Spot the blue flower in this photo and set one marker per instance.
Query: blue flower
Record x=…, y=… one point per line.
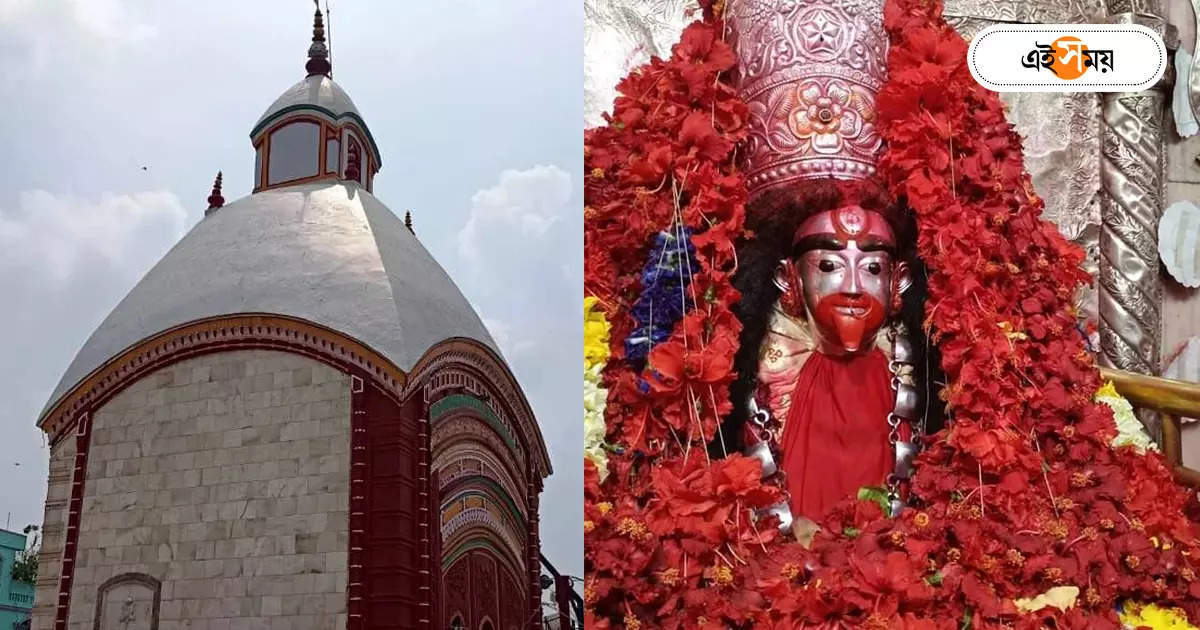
x=664, y=298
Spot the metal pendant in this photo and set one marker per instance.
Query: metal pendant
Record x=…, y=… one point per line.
x=896, y=506
x=905, y=451
x=758, y=415
x=783, y=511
x=762, y=452
x=902, y=351
x=906, y=401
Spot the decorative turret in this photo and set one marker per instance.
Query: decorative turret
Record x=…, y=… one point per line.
x=309, y=133
x=215, y=200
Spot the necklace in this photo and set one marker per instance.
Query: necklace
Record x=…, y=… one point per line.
x=905, y=408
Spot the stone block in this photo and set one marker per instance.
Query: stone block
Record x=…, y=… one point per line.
x=254, y=623
x=335, y=561
x=272, y=605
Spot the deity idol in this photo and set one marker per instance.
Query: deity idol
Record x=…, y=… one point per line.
x=828, y=368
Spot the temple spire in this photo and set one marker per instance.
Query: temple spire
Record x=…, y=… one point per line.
x=215, y=200
x=318, y=54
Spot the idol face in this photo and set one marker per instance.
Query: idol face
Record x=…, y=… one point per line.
x=850, y=281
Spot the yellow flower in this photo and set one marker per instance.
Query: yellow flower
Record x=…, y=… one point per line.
x=595, y=354
x=1060, y=597
x=1129, y=429
x=1138, y=615
x=1011, y=332
x=595, y=334
x=594, y=429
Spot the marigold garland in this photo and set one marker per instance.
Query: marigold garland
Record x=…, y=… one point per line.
x=1130, y=431
x=1154, y=617
x=595, y=396
x=1021, y=496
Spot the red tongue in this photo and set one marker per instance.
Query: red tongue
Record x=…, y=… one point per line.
x=850, y=330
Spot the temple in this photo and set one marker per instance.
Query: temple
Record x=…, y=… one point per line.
x=923, y=325
x=294, y=420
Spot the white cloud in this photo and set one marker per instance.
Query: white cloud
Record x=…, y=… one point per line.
x=36, y=32
x=109, y=20
x=520, y=262
x=106, y=20
x=523, y=206
x=511, y=343
x=65, y=261
x=51, y=235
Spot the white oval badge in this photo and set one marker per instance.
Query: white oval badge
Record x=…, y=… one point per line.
x=1067, y=58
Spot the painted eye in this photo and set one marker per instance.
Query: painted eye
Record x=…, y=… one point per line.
x=875, y=268
x=826, y=265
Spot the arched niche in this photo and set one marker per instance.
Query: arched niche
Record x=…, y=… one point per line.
x=129, y=601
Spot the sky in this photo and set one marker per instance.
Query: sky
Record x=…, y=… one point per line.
x=475, y=107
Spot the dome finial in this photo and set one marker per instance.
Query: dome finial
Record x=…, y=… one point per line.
x=215, y=200
x=318, y=54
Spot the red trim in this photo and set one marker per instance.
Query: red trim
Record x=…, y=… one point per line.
x=328, y=129
x=389, y=582
x=83, y=440
x=356, y=591
x=332, y=133
x=428, y=516
x=435, y=545
x=535, y=547
x=219, y=334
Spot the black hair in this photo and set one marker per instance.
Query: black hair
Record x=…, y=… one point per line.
x=773, y=219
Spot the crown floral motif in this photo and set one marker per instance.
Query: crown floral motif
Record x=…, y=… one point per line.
x=809, y=70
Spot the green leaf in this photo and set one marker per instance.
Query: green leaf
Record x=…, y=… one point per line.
x=935, y=579
x=25, y=566
x=968, y=615
x=850, y=532
x=877, y=494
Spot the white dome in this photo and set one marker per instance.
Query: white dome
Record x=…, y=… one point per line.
x=319, y=94
x=329, y=253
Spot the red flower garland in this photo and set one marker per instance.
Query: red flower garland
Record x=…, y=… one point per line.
x=1023, y=493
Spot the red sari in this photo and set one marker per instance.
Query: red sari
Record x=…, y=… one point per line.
x=835, y=439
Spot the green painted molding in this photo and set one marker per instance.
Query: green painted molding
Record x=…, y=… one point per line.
x=469, y=545
x=492, y=485
x=439, y=409
x=305, y=107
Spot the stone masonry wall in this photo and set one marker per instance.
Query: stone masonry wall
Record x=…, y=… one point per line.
x=226, y=477
x=54, y=529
